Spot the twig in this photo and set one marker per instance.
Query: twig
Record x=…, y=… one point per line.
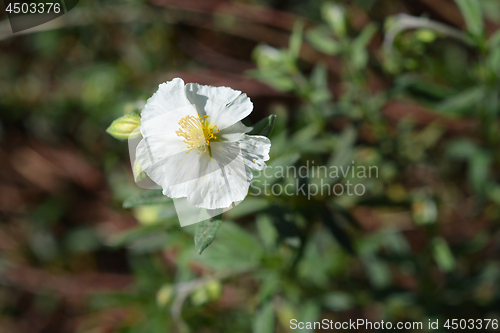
x=406, y=22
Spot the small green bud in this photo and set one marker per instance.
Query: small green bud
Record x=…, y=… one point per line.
x=334, y=15
x=125, y=127
x=426, y=35
x=214, y=289
x=164, y=295
x=199, y=296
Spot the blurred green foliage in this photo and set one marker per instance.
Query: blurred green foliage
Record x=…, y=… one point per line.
x=421, y=243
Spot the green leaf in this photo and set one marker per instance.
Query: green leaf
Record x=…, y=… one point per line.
x=277, y=80
x=267, y=231
x=335, y=16
x=302, y=137
x=205, y=233
x=378, y=271
x=264, y=319
x=359, y=53
x=264, y=127
x=442, y=254
x=479, y=170
x=321, y=39
x=473, y=15
x=338, y=301
x=332, y=224
x=125, y=127
x=319, y=82
x=494, y=60
x=236, y=249
x=132, y=235
x=296, y=39
x=151, y=197
x=461, y=149
x=309, y=312
x=494, y=40
x=343, y=154
x=463, y=103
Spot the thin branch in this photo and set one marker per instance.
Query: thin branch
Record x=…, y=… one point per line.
x=406, y=22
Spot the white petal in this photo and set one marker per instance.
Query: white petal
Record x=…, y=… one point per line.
x=223, y=105
x=160, y=136
x=234, y=132
x=163, y=155
x=183, y=171
x=176, y=169
x=169, y=97
x=255, y=151
x=227, y=185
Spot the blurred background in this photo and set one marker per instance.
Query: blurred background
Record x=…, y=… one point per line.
x=411, y=87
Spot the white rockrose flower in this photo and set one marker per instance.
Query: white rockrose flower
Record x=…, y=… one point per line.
x=194, y=144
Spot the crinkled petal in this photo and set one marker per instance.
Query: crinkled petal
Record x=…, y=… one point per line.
x=169, y=97
x=255, y=151
x=223, y=105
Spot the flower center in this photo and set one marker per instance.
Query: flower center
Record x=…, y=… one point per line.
x=197, y=133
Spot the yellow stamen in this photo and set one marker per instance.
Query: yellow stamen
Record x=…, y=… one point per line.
x=197, y=133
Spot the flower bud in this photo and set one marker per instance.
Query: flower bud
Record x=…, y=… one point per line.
x=125, y=127
x=164, y=295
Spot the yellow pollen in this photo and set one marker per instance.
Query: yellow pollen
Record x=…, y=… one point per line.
x=197, y=133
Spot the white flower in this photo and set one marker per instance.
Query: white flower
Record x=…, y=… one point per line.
x=194, y=144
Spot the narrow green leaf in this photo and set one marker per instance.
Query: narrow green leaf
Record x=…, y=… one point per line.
x=132, y=235
x=473, y=15
x=359, y=52
x=494, y=40
x=479, y=169
x=335, y=16
x=264, y=321
x=443, y=255
x=378, y=271
x=275, y=78
x=124, y=127
x=267, y=231
x=338, y=301
x=343, y=154
x=309, y=312
x=337, y=231
x=205, y=233
x=264, y=127
x=461, y=149
x=296, y=39
x=464, y=102
x=321, y=39
x=151, y=197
